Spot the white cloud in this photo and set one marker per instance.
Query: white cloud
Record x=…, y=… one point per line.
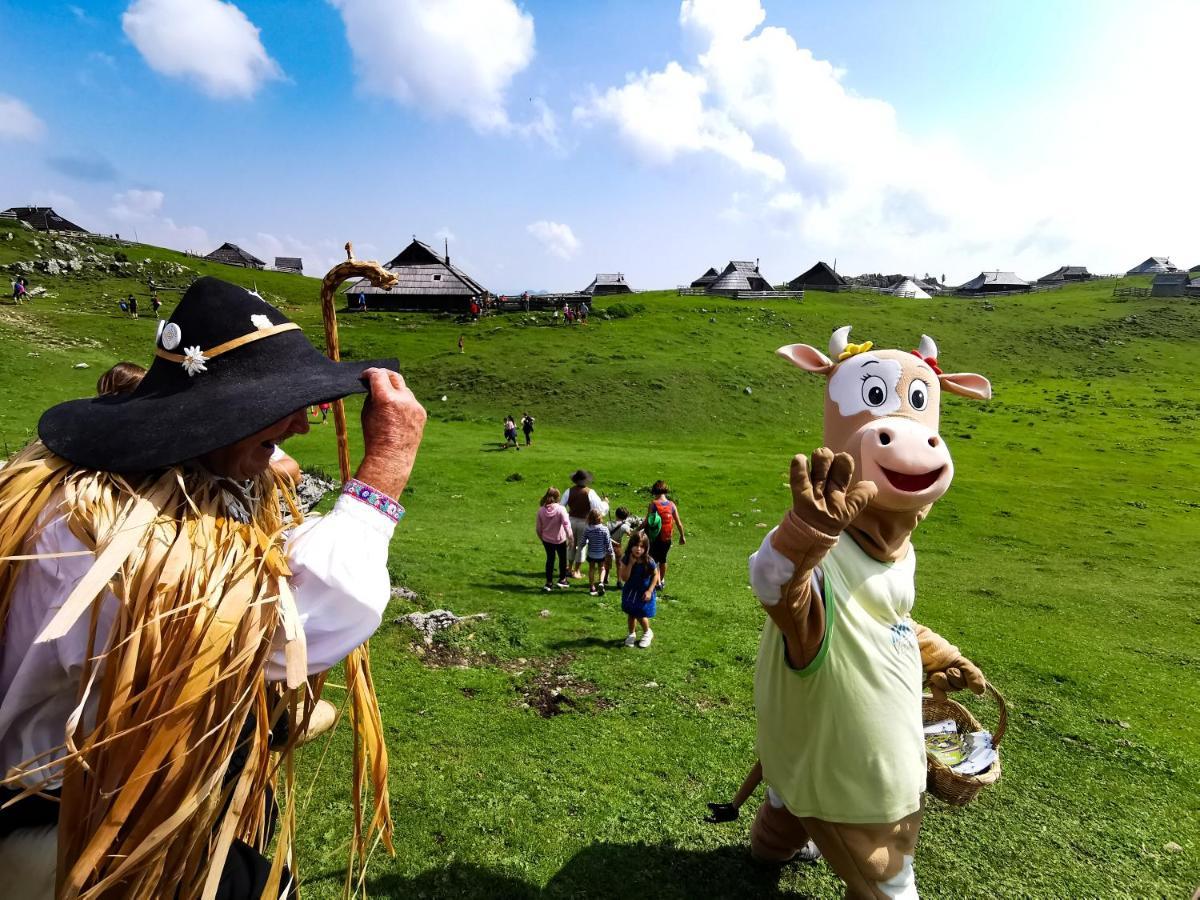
x=555, y=237
x=451, y=57
x=18, y=122
x=662, y=114
x=839, y=174
x=208, y=42
x=135, y=204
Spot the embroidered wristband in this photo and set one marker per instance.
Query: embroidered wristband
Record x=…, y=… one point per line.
x=374, y=499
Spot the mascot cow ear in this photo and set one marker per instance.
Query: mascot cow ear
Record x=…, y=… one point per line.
x=810, y=359
x=967, y=384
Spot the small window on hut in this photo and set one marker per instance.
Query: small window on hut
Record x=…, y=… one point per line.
x=437, y=277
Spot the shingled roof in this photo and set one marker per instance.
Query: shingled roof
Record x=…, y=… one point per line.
x=819, y=277
x=422, y=272
x=43, y=218
x=233, y=255
x=603, y=283
x=289, y=264
x=986, y=282
x=1066, y=273
x=740, y=275
x=706, y=279
x=1154, y=265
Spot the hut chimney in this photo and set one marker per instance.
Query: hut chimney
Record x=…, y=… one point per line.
x=446, y=244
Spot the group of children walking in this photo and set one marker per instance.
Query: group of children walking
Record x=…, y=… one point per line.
x=572, y=529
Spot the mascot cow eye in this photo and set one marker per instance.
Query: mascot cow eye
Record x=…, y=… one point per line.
x=874, y=390
x=918, y=394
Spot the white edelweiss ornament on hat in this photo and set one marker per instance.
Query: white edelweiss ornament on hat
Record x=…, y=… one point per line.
x=171, y=336
x=261, y=321
x=194, y=360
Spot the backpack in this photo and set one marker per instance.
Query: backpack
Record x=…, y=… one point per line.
x=666, y=522
x=654, y=524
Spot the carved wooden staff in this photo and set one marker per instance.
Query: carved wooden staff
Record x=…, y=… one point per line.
x=365, y=719
x=381, y=278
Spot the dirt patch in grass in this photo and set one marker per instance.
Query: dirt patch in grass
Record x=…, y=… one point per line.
x=550, y=689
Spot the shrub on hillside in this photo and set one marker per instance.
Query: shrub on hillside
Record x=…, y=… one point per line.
x=120, y=256
x=624, y=310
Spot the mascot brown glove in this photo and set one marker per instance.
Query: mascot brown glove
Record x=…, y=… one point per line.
x=946, y=669
x=822, y=507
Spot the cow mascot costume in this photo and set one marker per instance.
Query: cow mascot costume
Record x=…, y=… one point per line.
x=841, y=663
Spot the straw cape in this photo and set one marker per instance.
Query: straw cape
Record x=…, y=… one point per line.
x=145, y=799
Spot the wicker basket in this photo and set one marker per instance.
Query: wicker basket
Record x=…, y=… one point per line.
x=948, y=785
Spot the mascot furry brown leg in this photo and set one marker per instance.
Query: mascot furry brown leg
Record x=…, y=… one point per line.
x=841, y=662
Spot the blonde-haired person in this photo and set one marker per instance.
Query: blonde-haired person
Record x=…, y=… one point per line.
x=554, y=530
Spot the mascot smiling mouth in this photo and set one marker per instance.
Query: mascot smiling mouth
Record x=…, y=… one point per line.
x=913, y=484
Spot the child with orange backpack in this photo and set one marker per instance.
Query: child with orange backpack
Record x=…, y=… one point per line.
x=662, y=520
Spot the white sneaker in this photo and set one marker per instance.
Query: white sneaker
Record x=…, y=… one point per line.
x=630, y=639
x=646, y=639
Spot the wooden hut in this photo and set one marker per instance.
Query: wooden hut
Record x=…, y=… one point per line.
x=607, y=284
x=1066, y=274
x=706, y=280
x=427, y=280
x=740, y=275
x=292, y=264
x=1169, y=284
x=233, y=255
x=1154, y=265
x=995, y=283
x=820, y=277
x=42, y=218
x=909, y=288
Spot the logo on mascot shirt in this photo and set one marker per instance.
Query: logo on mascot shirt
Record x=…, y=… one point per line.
x=903, y=636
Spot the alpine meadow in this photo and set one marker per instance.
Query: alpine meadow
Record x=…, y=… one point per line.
x=532, y=755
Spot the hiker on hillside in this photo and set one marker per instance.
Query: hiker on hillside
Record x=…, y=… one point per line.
x=159, y=594
x=662, y=520
x=510, y=433
x=156, y=303
x=19, y=292
x=527, y=426
x=133, y=309
x=580, y=500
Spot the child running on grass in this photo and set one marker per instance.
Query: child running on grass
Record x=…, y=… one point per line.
x=640, y=574
x=599, y=548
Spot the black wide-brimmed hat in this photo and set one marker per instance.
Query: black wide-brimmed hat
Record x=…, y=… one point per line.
x=227, y=364
x=582, y=477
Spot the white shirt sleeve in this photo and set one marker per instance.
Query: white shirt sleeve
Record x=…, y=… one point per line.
x=598, y=502
x=770, y=570
x=340, y=580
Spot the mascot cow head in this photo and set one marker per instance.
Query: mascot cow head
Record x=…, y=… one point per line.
x=881, y=407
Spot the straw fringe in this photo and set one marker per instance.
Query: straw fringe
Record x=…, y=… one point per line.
x=200, y=598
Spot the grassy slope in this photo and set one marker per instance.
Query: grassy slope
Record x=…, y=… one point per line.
x=1061, y=561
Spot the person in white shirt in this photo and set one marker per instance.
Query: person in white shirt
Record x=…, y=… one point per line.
x=156, y=604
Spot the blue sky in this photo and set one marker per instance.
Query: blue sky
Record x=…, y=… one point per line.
x=548, y=141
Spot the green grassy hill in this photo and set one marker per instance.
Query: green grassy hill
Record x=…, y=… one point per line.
x=1062, y=561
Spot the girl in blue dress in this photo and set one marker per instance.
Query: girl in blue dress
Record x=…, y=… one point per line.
x=639, y=572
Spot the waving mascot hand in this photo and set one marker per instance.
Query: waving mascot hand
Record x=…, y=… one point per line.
x=841, y=663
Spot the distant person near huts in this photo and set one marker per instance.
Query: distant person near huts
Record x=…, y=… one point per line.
x=527, y=426
x=580, y=500
x=662, y=521
x=554, y=530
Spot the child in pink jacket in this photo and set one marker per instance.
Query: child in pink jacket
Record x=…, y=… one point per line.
x=554, y=530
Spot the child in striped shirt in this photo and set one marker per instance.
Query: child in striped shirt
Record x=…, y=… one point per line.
x=599, y=547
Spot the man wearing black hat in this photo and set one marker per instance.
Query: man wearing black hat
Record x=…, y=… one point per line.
x=148, y=587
